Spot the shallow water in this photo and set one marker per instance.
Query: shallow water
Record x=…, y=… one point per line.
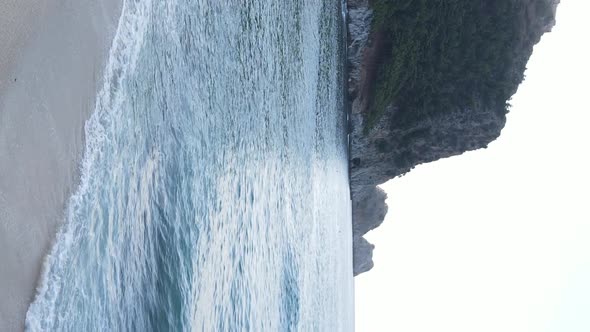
x=214, y=191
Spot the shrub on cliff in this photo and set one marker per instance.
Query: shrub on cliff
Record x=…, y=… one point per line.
x=443, y=55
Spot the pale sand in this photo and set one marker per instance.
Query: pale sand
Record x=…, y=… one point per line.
x=56, y=51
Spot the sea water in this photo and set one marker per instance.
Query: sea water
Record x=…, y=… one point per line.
x=214, y=188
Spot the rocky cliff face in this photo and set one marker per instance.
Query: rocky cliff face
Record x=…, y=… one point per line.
x=392, y=147
x=368, y=212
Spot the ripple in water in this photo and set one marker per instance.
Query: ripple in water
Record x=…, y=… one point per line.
x=214, y=189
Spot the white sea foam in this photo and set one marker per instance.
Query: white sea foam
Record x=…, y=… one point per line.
x=213, y=193
x=122, y=59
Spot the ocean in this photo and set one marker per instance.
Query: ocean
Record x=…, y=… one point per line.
x=214, y=191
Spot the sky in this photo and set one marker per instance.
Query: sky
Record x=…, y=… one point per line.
x=497, y=239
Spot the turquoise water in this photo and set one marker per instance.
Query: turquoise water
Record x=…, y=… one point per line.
x=214, y=192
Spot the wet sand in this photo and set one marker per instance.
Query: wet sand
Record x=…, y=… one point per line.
x=52, y=54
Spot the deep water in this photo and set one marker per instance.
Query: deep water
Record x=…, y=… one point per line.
x=214, y=193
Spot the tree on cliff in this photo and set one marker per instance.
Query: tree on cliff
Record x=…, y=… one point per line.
x=443, y=55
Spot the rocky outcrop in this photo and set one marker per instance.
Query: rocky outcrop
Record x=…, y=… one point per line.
x=394, y=145
x=368, y=211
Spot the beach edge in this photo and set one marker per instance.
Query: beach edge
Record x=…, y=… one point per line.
x=51, y=75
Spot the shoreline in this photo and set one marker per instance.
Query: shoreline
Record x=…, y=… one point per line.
x=51, y=72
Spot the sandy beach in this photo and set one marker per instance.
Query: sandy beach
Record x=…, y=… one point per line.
x=52, y=54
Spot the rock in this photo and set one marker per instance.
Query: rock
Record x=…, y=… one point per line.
x=368, y=211
x=394, y=145
x=362, y=256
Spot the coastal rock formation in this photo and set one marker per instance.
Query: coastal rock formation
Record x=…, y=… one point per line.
x=463, y=70
x=368, y=211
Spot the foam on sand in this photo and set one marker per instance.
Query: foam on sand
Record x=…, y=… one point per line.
x=51, y=60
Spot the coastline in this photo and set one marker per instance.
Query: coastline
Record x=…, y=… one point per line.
x=50, y=72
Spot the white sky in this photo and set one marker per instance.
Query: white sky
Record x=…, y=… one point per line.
x=497, y=240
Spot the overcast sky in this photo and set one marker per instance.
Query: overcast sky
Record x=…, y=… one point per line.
x=497, y=239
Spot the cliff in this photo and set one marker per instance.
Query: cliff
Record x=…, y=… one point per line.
x=429, y=80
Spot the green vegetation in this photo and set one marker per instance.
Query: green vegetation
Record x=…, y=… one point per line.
x=441, y=55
